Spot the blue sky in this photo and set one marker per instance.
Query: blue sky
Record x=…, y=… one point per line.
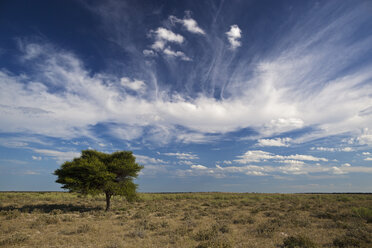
x=237, y=96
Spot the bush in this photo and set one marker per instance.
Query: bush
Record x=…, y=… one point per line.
x=13, y=214
x=243, y=220
x=298, y=241
x=207, y=234
x=364, y=213
x=14, y=239
x=346, y=241
x=357, y=235
x=266, y=229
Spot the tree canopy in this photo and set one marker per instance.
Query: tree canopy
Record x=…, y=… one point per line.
x=97, y=172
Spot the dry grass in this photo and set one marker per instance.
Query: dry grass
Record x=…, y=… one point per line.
x=186, y=220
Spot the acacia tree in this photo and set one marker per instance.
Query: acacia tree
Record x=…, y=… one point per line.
x=97, y=172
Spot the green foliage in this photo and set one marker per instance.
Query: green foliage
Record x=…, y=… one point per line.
x=97, y=172
x=364, y=213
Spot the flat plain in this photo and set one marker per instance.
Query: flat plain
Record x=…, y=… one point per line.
x=58, y=219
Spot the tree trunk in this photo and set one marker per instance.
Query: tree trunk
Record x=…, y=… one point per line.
x=108, y=198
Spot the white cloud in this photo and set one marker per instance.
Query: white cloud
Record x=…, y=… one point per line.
x=233, y=35
x=305, y=157
x=36, y=158
x=291, y=161
x=366, y=153
x=365, y=138
x=333, y=149
x=60, y=156
x=30, y=51
x=145, y=160
x=190, y=24
x=30, y=172
x=194, y=137
x=338, y=171
x=168, y=35
x=258, y=156
x=254, y=156
x=368, y=159
x=169, y=52
x=186, y=162
x=199, y=167
x=288, y=90
x=163, y=35
x=135, y=85
x=291, y=169
x=126, y=132
x=274, y=142
x=149, y=53
x=182, y=156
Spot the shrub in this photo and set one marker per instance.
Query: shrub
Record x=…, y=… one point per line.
x=298, y=241
x=83, y=228
x=14, y=239
x=244, y=220
x=207, y=234
x=346, y=241
x=13, y=214
x=355, y=236
x=364, y=213
x=266, y=229
x=217, y=243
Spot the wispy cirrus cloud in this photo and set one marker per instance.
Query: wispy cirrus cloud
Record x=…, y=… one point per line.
x=60, y=156
x=332, y=149
x=182, y=155
x=135, y=85
x=274, y=142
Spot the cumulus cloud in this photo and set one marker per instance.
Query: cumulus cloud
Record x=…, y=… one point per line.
x=190, y=24
x=36, y=158
x=163, y=35
x=145, y=160
x=186, y=162
x=199, y=167
x=258, y=156
x=169, y=52
x=233, y=35
x=274, y=142
x=291, y=169
x=254, y=156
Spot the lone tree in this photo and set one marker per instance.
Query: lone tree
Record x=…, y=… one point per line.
x=97, y=172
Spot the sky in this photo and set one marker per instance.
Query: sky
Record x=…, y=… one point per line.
x=231, y=96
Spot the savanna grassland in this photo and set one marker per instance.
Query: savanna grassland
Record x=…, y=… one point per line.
x=56, y=219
